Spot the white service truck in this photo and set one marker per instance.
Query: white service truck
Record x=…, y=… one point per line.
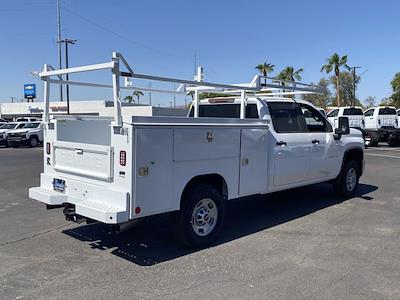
x=382, y=125
x=115, y=170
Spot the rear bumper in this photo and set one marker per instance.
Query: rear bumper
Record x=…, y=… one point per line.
x=97, y=203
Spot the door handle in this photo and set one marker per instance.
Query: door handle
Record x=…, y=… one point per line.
x=315, y=142
x=281, y=143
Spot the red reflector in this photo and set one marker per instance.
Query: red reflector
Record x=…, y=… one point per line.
x=137, y=210
x=122, y=158
x=48, y=148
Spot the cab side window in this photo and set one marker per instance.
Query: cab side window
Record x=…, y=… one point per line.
x=287, y=117
x=334, y=113
x=369, y=113
x=314, y=120
x=252, y=111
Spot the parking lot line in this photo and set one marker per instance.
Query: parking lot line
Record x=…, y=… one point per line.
x=383, y=155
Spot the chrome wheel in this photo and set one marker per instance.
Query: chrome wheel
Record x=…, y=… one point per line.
x=34, y=142
x=204, y=217
x=351, y=179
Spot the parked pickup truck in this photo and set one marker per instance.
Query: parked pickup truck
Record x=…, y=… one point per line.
x=7, y=127
x=353, y=113
x=31, y=135
x=382, y=125
x=124, y=168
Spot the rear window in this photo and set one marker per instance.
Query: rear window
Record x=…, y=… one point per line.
x=287, y=117
x=352, y=111
x=225, y=111
x=387, y=111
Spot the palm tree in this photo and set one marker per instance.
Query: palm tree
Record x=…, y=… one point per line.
x=137, y=93
x=264, y=69
x=129, y=99
x=290, y=74
x=335, y=63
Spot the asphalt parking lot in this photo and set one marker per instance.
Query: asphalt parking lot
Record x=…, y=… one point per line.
x=303, y=243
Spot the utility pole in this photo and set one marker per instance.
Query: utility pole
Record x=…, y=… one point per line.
x=174, y=96
x=72, y=42
x=59, y=44
x=12, y=99
x=150, y=93
x=354, y=83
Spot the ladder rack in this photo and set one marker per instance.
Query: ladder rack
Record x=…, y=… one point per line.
x=257, y=86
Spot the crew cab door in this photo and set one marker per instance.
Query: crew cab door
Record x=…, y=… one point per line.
x=333, y=117
x=370, y=122
x=289, y=143
x=325, y=155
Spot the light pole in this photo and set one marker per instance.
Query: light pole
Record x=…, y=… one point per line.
x=72, y=42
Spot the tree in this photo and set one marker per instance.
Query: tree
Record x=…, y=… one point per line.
x=370, y=101
x=264, y=69
x=129, y=99
x=137, y=94
x=336, y=63
x=395, y=83
x=290, y=74
x=346, y=88
x=324, y=98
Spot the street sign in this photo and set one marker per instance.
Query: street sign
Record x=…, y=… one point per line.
x=30, y=91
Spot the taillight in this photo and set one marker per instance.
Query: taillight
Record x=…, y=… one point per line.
x=48, y=149
x=122, y=158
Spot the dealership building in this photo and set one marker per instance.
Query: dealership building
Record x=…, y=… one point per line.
x=11, y=111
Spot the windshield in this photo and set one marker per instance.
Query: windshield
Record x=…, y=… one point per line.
x=352, y=111
x=32, y=125
x=8, y=126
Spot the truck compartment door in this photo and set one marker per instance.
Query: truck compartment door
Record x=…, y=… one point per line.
x=253, y=161
x=85, y=160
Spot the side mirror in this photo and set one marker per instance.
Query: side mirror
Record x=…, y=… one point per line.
x=343, y=128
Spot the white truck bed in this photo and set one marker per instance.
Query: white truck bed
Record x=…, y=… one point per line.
x=162, y=154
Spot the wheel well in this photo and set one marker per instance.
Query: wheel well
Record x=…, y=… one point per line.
x=357, y=155
x=215, y=180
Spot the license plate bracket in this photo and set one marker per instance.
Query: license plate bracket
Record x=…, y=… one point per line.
x=59, y=184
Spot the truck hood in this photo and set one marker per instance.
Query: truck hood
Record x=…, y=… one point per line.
x=18, y=130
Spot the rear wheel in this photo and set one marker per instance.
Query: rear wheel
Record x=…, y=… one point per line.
x=347, y=183
x=33, y=141
x=201, y=217
x=392, y=142
x=374, y=139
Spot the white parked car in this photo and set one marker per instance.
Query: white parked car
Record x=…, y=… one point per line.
x=125, y=168
x=382, y=125
x=27, y=119
x=5, y=128
x=31, y=134
x=353, y=113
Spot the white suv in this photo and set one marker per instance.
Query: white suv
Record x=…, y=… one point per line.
x=5, y=128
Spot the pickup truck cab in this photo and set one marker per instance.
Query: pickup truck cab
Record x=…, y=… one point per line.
x=5, y=128
x=382, y=125
x=116, y=170
x=31, y=134
x=353, y=113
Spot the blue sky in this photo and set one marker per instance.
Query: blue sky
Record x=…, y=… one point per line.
x=229, y=37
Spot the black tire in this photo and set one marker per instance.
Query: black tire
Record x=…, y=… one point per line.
x=374, y=139
x=192, y=202
x=346, y=185
x=393, y=142
x=33, y=141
